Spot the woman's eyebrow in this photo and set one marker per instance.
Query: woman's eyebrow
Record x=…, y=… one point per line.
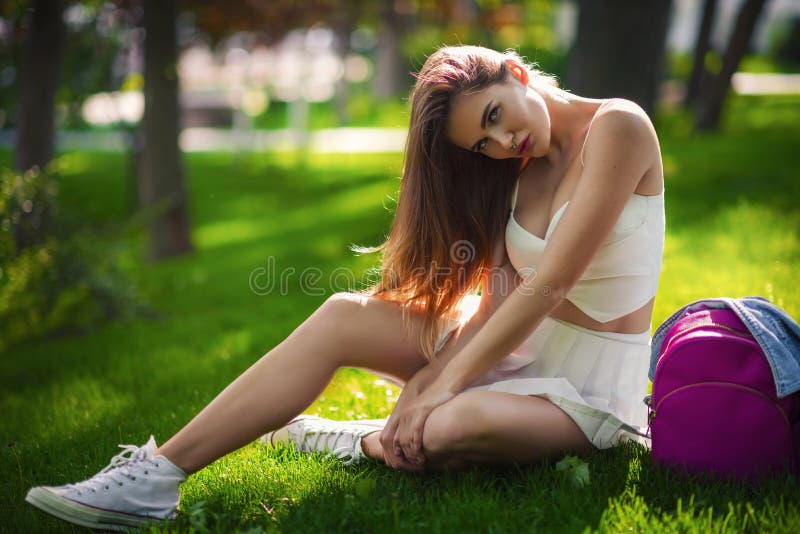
x=485, y=114
x=483, y=123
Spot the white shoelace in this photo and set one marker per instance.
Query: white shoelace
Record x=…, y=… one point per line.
x=311, y=438
x=118, y=469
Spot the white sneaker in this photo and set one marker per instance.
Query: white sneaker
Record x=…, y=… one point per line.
x=136, y=488
x=340, y=438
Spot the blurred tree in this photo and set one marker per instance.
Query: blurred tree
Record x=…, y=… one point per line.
x=390, y=78
x=619, y=50
x=344, y=22
x=92, y=28
x=700, y=51
x=713, y=96
x=218, y=20
x=161, y=176
x=271, y=19
x=787, y=46
x=41, y=60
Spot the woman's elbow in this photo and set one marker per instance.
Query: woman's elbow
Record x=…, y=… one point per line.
x=552, y=292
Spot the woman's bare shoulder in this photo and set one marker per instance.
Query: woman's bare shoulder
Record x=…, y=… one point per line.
x=622, y=127
x=623, y=116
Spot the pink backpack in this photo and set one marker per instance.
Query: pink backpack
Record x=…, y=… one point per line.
x=714, y=406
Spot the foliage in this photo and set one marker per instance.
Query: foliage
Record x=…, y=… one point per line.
x=52, y=281
x=526, y=26
x=97, y=30
x=27, y=209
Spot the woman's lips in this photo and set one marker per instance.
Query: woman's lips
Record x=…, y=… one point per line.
x=524, y=146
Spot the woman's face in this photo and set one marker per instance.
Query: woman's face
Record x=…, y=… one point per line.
x=505, y=120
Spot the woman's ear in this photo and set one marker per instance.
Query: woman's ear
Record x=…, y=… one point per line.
x=519, y=72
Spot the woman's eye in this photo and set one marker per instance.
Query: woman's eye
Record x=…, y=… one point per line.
x=480, y=145
x=493, y=113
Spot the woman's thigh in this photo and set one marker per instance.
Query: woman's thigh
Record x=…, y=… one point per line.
x=497, y=427
x=370, y=333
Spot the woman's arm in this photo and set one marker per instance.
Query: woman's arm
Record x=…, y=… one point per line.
x=617, y=159
x=497, y=283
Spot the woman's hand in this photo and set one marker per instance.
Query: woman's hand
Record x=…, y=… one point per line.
x=411, y=423
x=393, y=456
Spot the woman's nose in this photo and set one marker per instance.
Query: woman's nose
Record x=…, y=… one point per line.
x=504, y=139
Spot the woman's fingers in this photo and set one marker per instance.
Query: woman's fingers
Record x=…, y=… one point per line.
x=388, y=437
x=393, y=460
x=401, y=464
x=419, y=457
x=398, y=461
x=392, y=455
x=387, y=434
x=415, y=455
x=409, y=438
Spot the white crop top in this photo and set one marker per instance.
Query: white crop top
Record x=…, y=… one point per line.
x=623, y=275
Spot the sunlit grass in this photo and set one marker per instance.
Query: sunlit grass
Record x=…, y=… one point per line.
x=733, y=229
x=743, y=249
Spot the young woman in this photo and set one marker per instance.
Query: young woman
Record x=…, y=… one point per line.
x=551, y=204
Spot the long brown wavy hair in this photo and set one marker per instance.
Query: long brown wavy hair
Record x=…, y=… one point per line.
x=453, y=204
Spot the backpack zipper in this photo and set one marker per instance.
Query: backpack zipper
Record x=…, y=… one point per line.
x=652, y=414
x=734, y=331
x=688, y=329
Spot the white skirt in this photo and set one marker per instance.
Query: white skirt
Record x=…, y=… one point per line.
x=598, y=378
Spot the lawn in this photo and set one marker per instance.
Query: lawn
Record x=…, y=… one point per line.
x=65, y=404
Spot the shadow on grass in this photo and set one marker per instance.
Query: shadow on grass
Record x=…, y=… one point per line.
x=374, y=498
x=661, y=497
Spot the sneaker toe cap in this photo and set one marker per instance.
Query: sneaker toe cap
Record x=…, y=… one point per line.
x=278, y=436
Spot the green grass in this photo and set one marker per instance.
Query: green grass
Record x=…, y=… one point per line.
x=733, y=229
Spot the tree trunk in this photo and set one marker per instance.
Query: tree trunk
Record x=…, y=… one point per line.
x=619, y=50
x=701, y=49
x=710, y=105
x=161, y=181
x=41, y=61
x=389, y=78
x=42, y=52
x=344, y=23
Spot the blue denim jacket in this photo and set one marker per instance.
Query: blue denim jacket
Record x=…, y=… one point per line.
x=773, y=329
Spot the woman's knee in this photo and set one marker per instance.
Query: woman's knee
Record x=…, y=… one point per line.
x=345, y=320
x=451, y=428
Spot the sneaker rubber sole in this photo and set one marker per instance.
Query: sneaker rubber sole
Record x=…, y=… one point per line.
x=83, y=514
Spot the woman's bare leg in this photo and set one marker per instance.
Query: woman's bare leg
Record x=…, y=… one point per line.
x=347, y=330
x=501, y=428
x=495, y=428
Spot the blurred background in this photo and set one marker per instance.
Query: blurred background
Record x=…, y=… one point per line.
x=266, y=74
x=120, y=121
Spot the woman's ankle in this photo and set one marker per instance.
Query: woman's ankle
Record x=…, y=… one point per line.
x=371, y=446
